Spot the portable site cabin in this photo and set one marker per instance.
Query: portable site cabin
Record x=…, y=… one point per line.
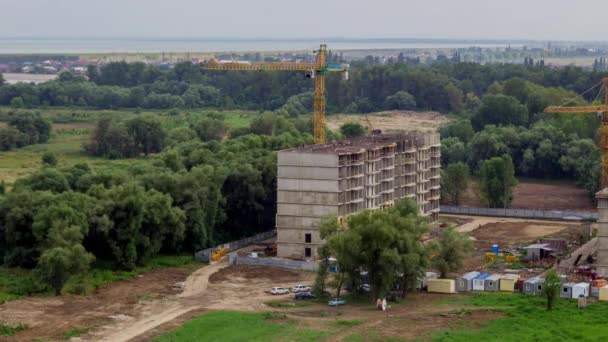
x=464, y=283
x=566, y=291
x=507, y=282
x=441, y=285
x=491, y=283
x=537, y=251
x=479, y=283
x=603, y=293
x=580, y=290
x=534, y=286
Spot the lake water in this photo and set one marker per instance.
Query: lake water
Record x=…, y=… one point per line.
x=106, y=45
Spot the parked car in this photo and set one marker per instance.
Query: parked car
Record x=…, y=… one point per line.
x=300, y=288
x=336, y=302
x=304, y=295
x=279, y=291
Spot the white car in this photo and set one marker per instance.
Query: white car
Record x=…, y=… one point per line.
x=279, y=291
x=300, y=288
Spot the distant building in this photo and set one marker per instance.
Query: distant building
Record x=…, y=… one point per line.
x=345, y=177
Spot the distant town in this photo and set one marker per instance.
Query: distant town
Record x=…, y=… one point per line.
x=44, y=67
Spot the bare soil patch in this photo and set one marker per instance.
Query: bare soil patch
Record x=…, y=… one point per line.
x=512, y=233
x=391, y=121
x=539, y=195
x=50, y=317
x=551, y=195
x=274, y=274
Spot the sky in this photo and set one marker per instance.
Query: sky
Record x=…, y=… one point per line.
x=452, y=19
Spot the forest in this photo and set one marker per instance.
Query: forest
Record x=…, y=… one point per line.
x=208, y=182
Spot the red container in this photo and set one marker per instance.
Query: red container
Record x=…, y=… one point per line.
x=519, y=285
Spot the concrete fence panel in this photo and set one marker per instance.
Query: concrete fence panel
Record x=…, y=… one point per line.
x=522, y=213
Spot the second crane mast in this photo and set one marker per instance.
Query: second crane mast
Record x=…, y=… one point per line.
x=314, y=70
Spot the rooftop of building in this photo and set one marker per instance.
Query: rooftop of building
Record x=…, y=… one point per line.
x=372, y=141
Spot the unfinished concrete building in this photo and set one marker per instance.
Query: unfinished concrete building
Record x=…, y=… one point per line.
x=601, y=266
x=344, y=177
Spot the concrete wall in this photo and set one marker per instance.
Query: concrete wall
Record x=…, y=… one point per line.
x=555, y=215
x=274, y=262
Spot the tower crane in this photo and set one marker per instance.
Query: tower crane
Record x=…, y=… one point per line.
x=602, y=113
x=316, y=70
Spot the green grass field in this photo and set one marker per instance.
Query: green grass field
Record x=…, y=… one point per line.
x=72, y=128
x=235, y=326
x=525, y=319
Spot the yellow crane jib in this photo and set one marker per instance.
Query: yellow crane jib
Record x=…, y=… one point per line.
x=602, y=112
x=316, y=70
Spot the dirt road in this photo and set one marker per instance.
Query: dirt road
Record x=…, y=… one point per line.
x=213, y=287
x=159, y=312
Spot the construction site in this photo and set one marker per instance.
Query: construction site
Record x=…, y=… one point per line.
x=275, y=272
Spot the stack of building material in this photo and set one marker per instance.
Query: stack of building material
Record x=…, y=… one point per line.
x=465, y=282
x=507, y=282
x=441, y=285
x=534, y=286
x=491, y=283
x=580, y=290
x=479, y=283
x=566, y=291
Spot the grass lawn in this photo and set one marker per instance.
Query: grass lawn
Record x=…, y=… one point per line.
x=67, y=147
x=236, y=326
x=527, y=320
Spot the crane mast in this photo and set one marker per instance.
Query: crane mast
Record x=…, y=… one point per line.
x=602, y=112
x=316, y=70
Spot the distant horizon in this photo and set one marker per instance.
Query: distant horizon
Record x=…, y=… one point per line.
x=298, y=38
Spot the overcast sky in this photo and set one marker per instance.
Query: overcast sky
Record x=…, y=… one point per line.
x=476, y=19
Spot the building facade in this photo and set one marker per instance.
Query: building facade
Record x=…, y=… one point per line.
x=344, y=177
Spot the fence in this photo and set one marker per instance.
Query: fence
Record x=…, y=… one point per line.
x=205, y=255
x=236, y=259
x=523, y=213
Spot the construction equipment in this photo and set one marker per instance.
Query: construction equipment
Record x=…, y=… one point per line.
x=315, y=70
x=602, y=112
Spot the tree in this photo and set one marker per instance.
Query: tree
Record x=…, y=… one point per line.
x=384, y=243
x=352, y=130
x=147, y=133
x=551, y=288
x=455, y=181
x=49, y=158
x=2, y=81
x=209, y=129
x=449, y=251
x=400, y=100
x=17, y=102
x=460, y=129
x=500, y=110
x=455, y=97
x=36, y=128
x=497, y=181
x=58, y=264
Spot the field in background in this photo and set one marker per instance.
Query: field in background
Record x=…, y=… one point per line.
x=391, y=120
x=72, y=128
x=540, y=194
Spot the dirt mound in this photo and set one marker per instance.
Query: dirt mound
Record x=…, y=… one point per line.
x=254, y=272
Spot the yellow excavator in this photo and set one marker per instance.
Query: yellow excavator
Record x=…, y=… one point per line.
x=316, y=70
